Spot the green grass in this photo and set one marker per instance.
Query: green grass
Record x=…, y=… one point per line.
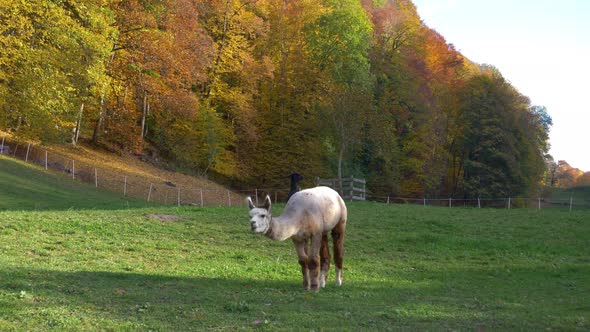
x=406, y=267
x=27, y=187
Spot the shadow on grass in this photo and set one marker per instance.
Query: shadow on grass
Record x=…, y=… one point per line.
x=39, y=299
x=55, y=299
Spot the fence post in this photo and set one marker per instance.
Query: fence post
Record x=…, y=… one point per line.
x=571, y=203
x=201, y=190
x=73, y=169
x=27, y=155
x=478, y=203
x=178, y=196
x=539, y=204
x=95, y=177
x=387, y=199
x=45, y=159
x=150, y=192
x=450, y=204
x=125, y=187
x=509, y=201
x=352, y=188
x=2, y=146
x=275, y=197
x=424, y=201
x=228, y=198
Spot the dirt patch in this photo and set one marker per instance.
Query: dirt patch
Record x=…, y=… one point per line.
x=164, y=217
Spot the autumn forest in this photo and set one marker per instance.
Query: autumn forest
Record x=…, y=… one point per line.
x=249, y=91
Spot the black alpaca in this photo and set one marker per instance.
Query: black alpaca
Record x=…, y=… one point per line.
x=295, y=178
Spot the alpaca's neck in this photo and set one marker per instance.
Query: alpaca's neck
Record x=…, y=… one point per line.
x=281, y=228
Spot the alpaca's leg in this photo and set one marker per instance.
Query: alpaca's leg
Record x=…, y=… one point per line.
x=314, y=261
x=324, y=260
x=338, y=238
x=300, y=247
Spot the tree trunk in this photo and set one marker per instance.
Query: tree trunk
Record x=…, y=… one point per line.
x=340, y=157
x=19, y=121
x=144, y=115
x=100, y=120
x=76, y=133
x=147, y=126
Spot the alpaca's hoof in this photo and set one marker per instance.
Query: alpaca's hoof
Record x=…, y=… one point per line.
x=315, y=288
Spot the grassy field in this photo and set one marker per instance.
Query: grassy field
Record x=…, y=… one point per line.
x=175, y=269
x=27, y=187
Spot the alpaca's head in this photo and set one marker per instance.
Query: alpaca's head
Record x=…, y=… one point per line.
x=260, y=216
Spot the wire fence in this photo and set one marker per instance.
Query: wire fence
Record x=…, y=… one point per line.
x=169, y=193
x=117, y=181
x=496, y=203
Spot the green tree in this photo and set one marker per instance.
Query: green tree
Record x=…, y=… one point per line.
x=500, y=158
x=339, y=41
x=287, y=128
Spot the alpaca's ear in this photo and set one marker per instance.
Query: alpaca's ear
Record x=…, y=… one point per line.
x=250, y=203
x=267, y=203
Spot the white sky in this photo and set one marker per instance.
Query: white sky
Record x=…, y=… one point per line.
x=541, y=46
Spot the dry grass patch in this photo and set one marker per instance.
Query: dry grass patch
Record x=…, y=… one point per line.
x=165, y=217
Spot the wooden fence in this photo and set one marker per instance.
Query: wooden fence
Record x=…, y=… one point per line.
x=351, y=188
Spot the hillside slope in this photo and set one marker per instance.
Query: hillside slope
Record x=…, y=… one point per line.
x=27, y=187
x=126, y=174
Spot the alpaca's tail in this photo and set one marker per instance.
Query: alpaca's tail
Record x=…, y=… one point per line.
x=338, y=239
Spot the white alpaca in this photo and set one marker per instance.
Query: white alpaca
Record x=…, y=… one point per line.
x=308, y=217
